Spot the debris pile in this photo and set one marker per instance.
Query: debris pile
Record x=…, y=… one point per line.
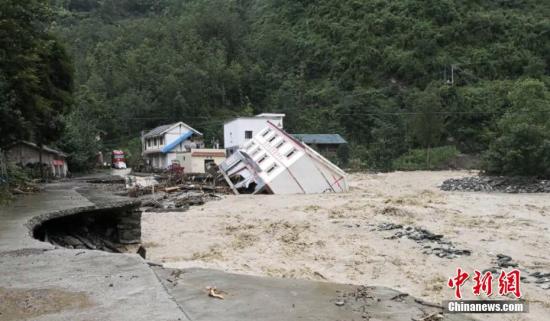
x=432, y=243
x=105, y=179
x=174, y=180
x=176, y=191
x=177, y=202
x=505, y=262
x=364, y=298
x=497, y=184
x=85, y=240
x=25, y=188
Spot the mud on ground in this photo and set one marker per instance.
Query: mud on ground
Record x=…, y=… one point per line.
x=340, y=237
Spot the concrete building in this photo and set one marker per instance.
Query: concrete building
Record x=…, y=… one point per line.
x=200, y=160
x=274, y=162
x=27, y=154
x=326, y=144
x=162, y=145
x=240, y=130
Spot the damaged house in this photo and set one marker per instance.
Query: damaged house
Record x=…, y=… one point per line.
x=274, y=162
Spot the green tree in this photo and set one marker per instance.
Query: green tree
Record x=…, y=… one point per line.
x=427, y=121
x=81, y=133
x=522, y=143
x=35, y=73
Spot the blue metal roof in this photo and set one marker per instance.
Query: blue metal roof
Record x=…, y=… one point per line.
x=320, y=138
x=176, y=142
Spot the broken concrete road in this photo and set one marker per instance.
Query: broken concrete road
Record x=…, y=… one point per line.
x=271, y=299
x=91, y=285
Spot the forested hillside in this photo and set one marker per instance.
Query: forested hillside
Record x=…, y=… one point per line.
x=390, y=76
x=35, y=74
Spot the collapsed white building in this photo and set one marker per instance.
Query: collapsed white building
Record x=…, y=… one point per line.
x=274, y=162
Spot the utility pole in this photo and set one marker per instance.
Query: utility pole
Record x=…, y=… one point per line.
x=452, y=74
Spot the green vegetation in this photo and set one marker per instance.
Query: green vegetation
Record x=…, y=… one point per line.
x=18, y=178
x=521, y=145
x=391, y=77
x=35, y=83
x=426, y=159
x=35, y=74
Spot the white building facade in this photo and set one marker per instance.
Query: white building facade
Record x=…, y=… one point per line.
x=241, y=130
x=166, y=144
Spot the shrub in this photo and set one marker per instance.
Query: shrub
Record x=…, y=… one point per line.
x=426, y=159
x=16, y=177
x=133, y=153
x=358, y=157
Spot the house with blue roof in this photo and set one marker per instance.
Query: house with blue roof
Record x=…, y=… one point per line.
x=326, y=144
x=180, y=144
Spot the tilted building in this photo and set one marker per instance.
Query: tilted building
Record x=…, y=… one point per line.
x=274, y=162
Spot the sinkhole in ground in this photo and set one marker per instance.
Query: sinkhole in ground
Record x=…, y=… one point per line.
x=112, y=230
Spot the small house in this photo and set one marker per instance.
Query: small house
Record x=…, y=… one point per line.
x=165, y=144
x=240, y=130
x=200, y=160
x=326, y=144
x=180, y=144
x=28, y=154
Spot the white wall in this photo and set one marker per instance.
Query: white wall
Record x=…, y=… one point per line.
x=195, y=164
x=233, y=132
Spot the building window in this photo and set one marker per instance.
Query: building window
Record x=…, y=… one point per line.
x=272, y=168
x=281, y=143
x=155, y=141
x=263, y=158
x=267, y=131
x=292, y=152
x=247, y=134
x=162, y=140
x=255, y=152
x=273, y=138
x=250, y=146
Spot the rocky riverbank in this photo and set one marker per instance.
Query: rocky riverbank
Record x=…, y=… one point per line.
x=497, y=184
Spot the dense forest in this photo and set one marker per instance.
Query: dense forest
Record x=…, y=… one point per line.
x=395, y=78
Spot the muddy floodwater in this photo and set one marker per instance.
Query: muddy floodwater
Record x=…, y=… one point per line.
x=353, y=238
